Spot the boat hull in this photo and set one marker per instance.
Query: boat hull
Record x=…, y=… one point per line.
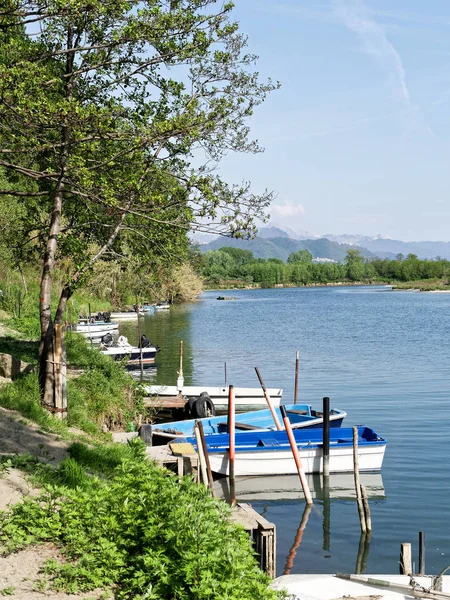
x=282, y=462
x=269, y=452
x=245, y=398
x=133, y=354
x=125, y=316
x=94, y=329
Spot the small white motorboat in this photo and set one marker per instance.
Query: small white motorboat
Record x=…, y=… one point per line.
x=162, y=306
x=136, y=355
x=129, y=315
x=95, y=328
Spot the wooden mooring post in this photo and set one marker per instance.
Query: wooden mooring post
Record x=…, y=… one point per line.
x=296, y=377
x=326, y=437
x=405, y=559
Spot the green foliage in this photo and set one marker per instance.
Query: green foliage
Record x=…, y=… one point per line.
x=302, y=256
x=104, y=394
x=23, y=395
x=135, y=527
x=8, y=591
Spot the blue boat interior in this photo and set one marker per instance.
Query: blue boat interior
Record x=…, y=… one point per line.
x=266, y=440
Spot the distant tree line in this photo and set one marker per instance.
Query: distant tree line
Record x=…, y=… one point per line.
x=234, y=264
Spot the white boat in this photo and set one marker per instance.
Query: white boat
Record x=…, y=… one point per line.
x=129, y=315
x=122, y=349
x=162, y=306
x=245, y=398
x=269, y=452
x=97, y=327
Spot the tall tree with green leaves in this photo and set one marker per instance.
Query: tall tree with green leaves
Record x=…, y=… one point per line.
x=117, y=112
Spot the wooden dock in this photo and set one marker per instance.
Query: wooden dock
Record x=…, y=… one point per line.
x=164, y=402
x=262, y=533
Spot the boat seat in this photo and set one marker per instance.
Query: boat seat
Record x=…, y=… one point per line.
x=268, y=442
x=295, y=411
x=243, y=426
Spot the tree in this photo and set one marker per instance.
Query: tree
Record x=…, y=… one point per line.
x=103, y=106
x=355, y=265
x=303, y=256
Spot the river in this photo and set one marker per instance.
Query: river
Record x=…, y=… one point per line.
x=382, y=356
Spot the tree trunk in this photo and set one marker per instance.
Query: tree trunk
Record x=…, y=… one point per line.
x=46, y=369
x=46, y=347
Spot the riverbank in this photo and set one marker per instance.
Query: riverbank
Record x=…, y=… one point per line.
x=419, y=286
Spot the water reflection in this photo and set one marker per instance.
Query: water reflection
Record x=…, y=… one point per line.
x=363, y=553
x=298, y=539
x=287, y=488
x=166, y=329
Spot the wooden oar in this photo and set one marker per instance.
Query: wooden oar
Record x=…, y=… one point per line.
x=406, y=589
x=298, y=462
x=269, y=401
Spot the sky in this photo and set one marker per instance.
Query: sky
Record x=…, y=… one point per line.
x=357, y=140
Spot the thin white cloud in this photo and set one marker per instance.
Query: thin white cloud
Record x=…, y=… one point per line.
x=287, y=209
x=356, y=16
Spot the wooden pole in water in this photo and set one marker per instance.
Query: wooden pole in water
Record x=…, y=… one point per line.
x=296, y=377
x=362, y=518
x=269, y=401
x=366, y=507
x=201, y=456
x=326, y=437
x=405, y=559
x=180, y=380
x=421, y=553
x=206, y=455
x=231, y=432
x=298, y=462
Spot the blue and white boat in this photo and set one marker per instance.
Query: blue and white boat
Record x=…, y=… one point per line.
x=269, y=452
x=300, y=416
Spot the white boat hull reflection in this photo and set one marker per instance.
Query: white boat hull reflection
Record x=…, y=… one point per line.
x=287, y=487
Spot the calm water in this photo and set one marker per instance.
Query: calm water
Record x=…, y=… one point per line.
x=380, y=355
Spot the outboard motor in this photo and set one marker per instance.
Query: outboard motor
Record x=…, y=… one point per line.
x=107, y=339
x=145, y=341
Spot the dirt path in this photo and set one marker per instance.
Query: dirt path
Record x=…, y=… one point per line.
x=20, y=573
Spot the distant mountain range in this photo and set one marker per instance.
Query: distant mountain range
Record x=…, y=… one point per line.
x=278, y=242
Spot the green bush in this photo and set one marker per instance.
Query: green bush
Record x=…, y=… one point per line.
x=142, y=532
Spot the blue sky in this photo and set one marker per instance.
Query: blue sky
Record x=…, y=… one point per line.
x=358, y=138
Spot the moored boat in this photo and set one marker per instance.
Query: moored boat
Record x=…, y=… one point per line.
x=245, y=399
x=96, y=327
x=300, y=416
x=269, y=452
x=136, y=356
x=162, y=306
x=129, y=315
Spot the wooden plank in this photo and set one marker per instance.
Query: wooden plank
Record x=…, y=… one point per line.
x=165, y=402
x=182, y=448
